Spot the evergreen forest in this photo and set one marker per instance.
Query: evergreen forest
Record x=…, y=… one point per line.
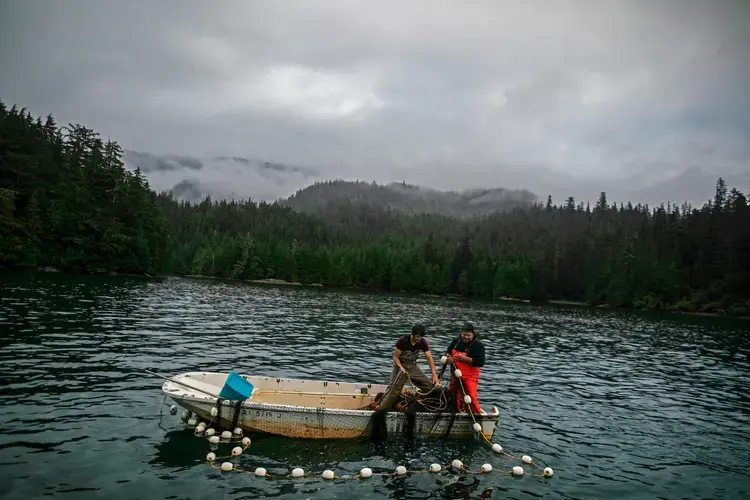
x=67, y=201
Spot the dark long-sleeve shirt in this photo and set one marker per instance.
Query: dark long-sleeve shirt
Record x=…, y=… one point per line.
x=474, y=349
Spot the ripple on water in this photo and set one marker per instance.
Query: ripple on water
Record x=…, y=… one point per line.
x=621, y=405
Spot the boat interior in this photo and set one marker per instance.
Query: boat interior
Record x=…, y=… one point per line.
x=315, y=400
x=295, y=392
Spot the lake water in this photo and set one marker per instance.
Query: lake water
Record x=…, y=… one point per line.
x=619, y=404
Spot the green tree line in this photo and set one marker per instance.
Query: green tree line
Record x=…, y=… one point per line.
x=66, y=200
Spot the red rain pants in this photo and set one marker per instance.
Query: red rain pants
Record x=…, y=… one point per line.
x=470, y=379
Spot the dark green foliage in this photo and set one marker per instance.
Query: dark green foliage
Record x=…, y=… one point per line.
x=66, y=200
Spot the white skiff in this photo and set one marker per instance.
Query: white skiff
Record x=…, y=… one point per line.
x=314, y=409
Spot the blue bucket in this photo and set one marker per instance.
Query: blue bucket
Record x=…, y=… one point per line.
x=236, y=388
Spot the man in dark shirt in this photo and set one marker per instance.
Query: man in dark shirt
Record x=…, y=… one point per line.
x=405, y=355
x=467, y=354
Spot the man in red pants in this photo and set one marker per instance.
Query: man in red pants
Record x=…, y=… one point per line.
x=467, y=354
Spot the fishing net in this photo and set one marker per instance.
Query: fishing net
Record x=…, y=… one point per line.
x=231, y=412
x=438, y=399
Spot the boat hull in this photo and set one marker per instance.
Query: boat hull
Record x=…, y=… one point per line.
x=320, y=421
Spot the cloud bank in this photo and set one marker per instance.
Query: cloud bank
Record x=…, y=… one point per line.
x=562, y=98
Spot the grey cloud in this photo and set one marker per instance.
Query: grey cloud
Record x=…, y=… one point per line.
x=151, y=163
x=277, y=167
x=242, y=161
x=220, y=177
x=189, y=190
x=559, y=98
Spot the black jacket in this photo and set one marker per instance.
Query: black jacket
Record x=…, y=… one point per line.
x=474, y=349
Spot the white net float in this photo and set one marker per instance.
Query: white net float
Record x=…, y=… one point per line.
x=213, y=440
x=526, y=459
x=236, y=451
x=458, y=373
x=467, y=399
x=548, y=471
x=477, y=427
x=246, y=441
x=444, y=360
x=366, y=472
x=457, y=464
x=518, y=470
x=400, y=470
x=435, y=468
x=327, y=474
x=260, y=472
x=226, y=466
x=298, y=472
x=497, y=448
x=226, y=435
x=211, y=457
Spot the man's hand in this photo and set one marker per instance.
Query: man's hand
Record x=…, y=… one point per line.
x=435, y=379
x=463, y=358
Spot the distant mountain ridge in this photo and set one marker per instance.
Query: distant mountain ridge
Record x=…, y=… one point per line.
x=694, y=185
x=166, y=162
x=220, y=177
x=407, y=198
x=238, y=177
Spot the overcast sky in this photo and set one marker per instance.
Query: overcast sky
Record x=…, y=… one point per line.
x=445, y=94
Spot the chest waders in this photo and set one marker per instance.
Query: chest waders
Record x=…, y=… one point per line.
x=397, y=379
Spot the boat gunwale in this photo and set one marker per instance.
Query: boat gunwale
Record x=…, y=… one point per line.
x=255, y=405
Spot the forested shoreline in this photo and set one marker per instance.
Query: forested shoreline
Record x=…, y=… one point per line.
x=67, y=201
